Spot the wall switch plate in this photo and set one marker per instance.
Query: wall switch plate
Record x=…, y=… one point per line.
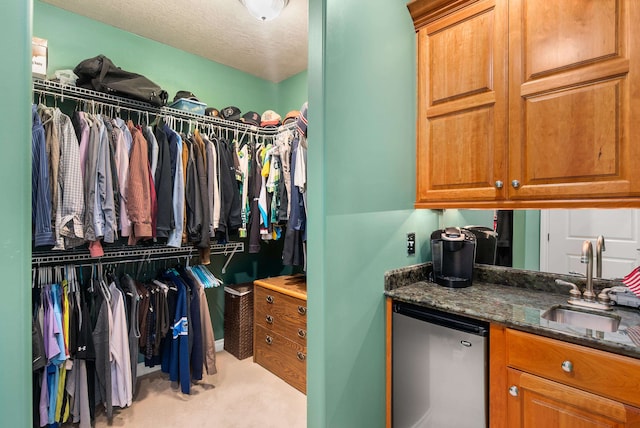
x=411, y=243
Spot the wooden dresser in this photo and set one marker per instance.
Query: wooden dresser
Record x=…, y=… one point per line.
x=280, y=328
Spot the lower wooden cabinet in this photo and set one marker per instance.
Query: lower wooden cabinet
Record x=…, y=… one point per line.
x=280, y=328
x=541, y=382
x=535, y=402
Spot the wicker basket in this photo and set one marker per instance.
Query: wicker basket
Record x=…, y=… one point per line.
x=238, y=320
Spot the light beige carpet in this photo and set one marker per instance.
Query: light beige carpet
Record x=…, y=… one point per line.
x=241, y=395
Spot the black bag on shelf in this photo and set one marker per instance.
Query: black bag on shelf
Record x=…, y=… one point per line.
x=101, y=74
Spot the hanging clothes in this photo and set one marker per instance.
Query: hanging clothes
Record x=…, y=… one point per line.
x=121, y=386
x=295, y=237
x=40, y=189
x=70, y=212
x=230, y=209
x=138, y=193
x=52, y=143
x=164, y=183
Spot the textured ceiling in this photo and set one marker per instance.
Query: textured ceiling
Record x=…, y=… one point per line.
x=219, y=30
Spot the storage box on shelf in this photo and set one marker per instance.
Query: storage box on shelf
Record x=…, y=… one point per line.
x=238, y=320
x=280, y=327
x=190, y=106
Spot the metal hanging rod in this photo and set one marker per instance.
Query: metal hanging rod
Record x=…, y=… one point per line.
x=82, y=257
x=56, y=89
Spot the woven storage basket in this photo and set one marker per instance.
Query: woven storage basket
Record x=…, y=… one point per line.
x=238, y=320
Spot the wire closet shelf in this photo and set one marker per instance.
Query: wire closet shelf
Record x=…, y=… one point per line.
x=125, y=254
x=61, y=91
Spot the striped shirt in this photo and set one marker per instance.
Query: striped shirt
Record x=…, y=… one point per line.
x=40, y=193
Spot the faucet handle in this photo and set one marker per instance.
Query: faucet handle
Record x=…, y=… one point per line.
x=574, y=292
x=603, y=296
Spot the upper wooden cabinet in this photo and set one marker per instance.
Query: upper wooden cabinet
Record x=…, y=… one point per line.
x=527, y=103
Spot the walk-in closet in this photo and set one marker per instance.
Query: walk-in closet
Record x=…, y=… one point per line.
x=145, y=217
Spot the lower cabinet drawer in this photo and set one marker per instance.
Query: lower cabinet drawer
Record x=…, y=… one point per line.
x=281, y=314
x=603, y=373
x=281, y=356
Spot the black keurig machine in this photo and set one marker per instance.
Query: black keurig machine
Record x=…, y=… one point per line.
x=453, y=252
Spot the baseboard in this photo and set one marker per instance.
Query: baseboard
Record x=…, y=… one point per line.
x=144, y=370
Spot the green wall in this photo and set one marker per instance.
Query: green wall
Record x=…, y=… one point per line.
x=292, y=93
x=15, y=174
x=361, y=192
x=73, y=38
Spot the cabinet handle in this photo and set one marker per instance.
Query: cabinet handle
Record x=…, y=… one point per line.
x=302, y=310
x=567, y=366
x=301, y=356
x=269, y=298
x=269, y=319
x=499, y=184
x=269, y=340
x=302, y=333
x=513, y=390
x=515, y=184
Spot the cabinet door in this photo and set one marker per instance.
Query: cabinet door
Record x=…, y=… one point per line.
x=536, y=402
x=462, y=127
x=574, y=99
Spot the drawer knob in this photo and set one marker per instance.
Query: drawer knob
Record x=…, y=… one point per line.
x=269, y=319
x=513, y=390
x=567, y=366
x=515, y=184
x=269, y=298
x=302, y=333
x=499, y=184
x=302, y=310
x=301, y=356
x=269, y=340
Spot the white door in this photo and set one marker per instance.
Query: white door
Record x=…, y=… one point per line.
x=562, y=233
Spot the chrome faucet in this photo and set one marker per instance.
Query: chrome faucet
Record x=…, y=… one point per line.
x=587, y=298
x=587, y=257
x=599, y=249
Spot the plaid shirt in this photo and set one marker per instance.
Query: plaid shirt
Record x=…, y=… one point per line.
x=70, y=213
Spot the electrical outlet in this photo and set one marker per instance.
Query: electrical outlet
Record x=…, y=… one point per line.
x=411, y=243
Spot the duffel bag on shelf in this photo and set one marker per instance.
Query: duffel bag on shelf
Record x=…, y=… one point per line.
x=102, y=75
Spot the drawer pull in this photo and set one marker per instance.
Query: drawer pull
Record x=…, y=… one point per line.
x=269, y=319
x=302, y=333
x=269, y=340
x=269, y=298
x=302, y=310
x=567, y=366
x=301, y=356
x=513, y=390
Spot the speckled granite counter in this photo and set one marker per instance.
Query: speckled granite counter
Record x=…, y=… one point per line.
x=514, y=298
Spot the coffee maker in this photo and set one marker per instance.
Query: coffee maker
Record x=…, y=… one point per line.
x=453, y=253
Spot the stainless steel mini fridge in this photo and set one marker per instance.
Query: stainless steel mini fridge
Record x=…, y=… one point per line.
x=440, y=369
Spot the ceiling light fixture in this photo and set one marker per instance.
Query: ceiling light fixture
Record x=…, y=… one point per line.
x=265, y=10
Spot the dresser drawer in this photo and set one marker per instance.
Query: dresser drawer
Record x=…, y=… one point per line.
x=592, y=370
x=281, y=314
x=281, y=356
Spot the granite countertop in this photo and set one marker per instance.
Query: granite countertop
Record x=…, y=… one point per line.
x=515, y=299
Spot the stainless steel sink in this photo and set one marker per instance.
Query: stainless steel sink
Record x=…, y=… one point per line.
x=581, y=318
